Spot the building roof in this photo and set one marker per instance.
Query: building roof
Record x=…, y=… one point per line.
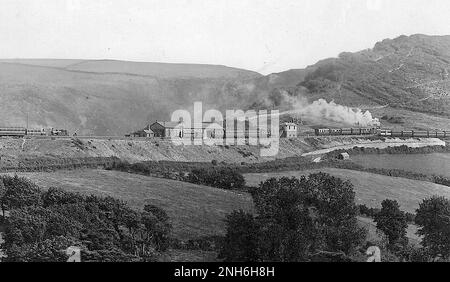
x=167, y=124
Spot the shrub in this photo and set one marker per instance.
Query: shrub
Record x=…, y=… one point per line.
x=225, y=178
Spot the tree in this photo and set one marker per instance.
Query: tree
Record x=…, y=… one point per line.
x=157, y=226
x=334, y=200
x=392, y=221
x=296, y=219
x=433, y=217
x=241, y=242
x=20, y=192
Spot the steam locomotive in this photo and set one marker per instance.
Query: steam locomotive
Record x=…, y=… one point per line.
x=382, y=132
x=22, y=131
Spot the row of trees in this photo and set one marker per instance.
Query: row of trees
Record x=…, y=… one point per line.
x=42, y=224
x=314, y=218
x=52, y=163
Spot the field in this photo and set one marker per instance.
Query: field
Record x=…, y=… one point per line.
x=435, y=163
x=194, y=210
x=197, y=211
x=371, y=189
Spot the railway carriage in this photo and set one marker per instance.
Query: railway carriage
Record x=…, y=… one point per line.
x=382, y=132
x=13, y=131
x=36, y=132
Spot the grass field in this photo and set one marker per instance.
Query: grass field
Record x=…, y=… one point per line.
x=370, y=188
x=193, y=209
x=435, y=163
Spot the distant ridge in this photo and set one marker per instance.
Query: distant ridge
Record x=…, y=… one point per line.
x=160, y=70
x=408, y=77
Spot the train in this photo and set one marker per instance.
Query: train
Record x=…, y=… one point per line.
x=382, y=132
x=22, y=132
x=346, y=131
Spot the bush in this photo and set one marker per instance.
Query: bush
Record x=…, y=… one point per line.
x=224, y=178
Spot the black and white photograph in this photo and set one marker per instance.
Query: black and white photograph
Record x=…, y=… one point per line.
x=225, y=137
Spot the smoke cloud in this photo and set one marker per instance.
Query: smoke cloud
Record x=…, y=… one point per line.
x=321, y=112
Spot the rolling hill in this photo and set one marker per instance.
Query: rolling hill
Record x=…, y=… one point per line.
x=191, y=215
x=406, y=77
x=106, y=97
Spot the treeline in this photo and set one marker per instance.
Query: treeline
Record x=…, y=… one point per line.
x=184, y=171
x=314, y=219
x=223, y=177
x=52, y=163
x=41, y=225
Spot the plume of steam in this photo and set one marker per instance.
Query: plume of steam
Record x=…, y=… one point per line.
x=321, y=111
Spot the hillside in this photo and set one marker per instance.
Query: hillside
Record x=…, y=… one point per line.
x=107, y=97
x=406, y=78
x=191, y=215
x=15, y=153
x=406, y=72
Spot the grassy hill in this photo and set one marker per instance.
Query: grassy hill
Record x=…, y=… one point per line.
x=194, y=210
x=107, y=97
x=397, y=77
x=405, y=72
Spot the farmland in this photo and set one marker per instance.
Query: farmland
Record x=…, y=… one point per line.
x=435, y=163
x=371, y=189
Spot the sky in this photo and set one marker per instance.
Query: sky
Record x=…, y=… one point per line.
x=259, y=35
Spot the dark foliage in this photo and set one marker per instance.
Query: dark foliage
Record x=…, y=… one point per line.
x=433, y=218
x=42, y=225
x=296, y=219
x=224, y=178
x=392, y=221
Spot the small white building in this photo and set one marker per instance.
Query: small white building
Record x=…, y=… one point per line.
x=344, y=156
x=289, y=130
